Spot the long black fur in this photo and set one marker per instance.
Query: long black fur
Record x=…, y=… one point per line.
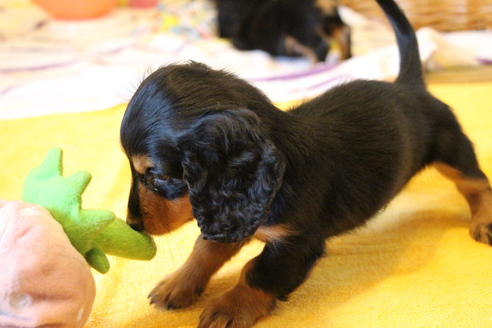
x=320, y=169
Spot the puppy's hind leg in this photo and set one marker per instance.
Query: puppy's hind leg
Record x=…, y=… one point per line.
x=457, y=161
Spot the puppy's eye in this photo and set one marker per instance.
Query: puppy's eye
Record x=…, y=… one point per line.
x=154, y=181
x=156, y=178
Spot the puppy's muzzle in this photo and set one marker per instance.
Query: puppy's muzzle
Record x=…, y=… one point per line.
x=138, y=226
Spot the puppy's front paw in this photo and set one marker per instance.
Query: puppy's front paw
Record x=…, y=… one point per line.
x=240, y=307
x=176, y=292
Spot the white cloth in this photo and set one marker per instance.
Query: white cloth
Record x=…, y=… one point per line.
x=49, y=67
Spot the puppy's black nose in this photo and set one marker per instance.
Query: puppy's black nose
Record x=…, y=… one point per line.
x=139, y=226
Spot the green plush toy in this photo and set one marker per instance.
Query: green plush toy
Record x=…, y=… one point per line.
x=92, y=232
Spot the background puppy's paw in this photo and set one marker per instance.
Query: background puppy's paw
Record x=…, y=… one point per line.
x=175, y=292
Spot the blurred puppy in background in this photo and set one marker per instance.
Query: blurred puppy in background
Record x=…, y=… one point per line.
x=310, y=28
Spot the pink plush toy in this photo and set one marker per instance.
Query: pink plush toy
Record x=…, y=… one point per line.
x=44, y=281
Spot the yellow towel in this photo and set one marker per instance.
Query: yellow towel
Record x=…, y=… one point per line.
x=413, y=266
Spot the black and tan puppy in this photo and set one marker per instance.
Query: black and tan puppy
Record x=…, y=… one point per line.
x=284, y=27
x=204, y=144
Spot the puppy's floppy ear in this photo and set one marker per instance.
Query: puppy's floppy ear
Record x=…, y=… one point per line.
x=233, y=173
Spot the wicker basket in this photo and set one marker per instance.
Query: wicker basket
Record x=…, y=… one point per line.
x=443, y=15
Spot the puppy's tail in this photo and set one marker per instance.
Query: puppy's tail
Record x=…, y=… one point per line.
x=410, y=67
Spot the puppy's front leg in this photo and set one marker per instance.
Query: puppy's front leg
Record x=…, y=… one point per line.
x=277, y=271
x=184, y=286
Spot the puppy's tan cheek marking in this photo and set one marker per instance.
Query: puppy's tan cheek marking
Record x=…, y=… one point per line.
x=141, y=163
x=479, y=197
x=273, y=233
x=293, y=46
x=327, y=6
x=341, y=37
x=161, y=215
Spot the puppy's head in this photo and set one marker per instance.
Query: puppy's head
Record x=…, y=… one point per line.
x=197, y=150
x=314, y=28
